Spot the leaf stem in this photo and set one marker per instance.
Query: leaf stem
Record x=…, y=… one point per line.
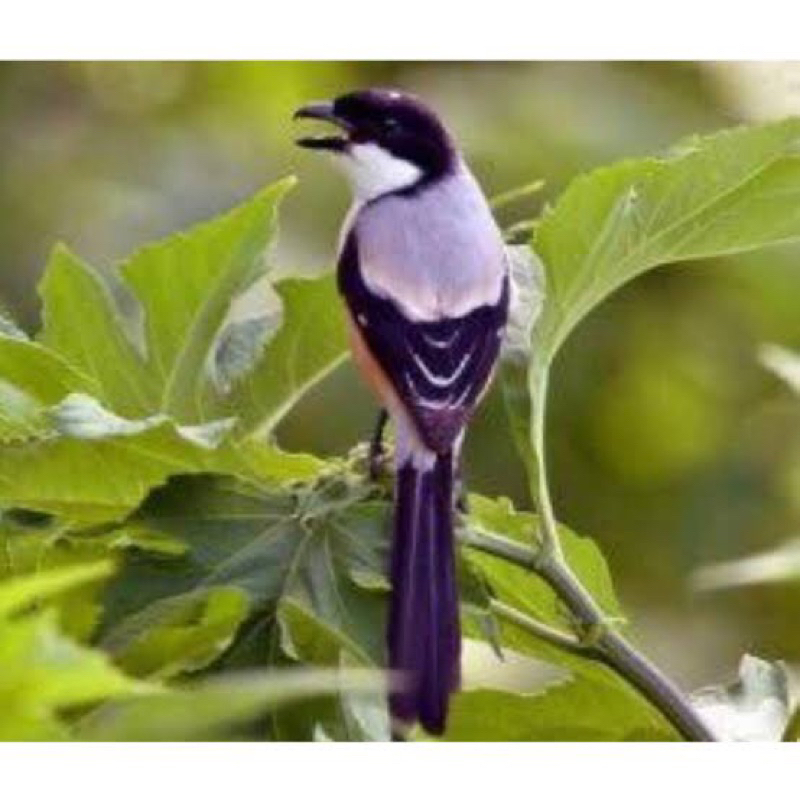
x=551, y=544
x=602, y=641
x=538, y=628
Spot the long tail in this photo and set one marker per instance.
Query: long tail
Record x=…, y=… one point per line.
x=424, y=637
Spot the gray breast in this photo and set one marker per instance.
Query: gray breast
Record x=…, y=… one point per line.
x=437, y=253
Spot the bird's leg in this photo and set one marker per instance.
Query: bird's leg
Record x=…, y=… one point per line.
x=460, y=489
x=376, y=450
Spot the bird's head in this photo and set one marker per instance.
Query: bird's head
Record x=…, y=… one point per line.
x=387, y=141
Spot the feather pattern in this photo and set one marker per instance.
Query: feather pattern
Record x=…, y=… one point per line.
x=439, y=385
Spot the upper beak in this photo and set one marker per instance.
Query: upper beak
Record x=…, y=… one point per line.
x=323, y=111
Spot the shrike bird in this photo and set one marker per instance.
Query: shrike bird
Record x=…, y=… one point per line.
x=423, y=273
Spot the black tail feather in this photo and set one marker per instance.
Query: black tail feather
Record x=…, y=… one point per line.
x=424, y=637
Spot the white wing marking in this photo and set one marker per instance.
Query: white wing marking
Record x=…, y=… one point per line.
x=437, y=380
x=440, y=343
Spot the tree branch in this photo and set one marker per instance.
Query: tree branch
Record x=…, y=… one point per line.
x=602, y=642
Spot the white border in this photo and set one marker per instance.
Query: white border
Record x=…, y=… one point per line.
x=404, y=772
x=400, y=29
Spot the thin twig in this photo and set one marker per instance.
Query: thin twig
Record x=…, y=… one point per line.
x=537, y=628
x=512, y=195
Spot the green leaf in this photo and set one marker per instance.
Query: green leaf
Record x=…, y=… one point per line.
x=305, y=550
x=19, y=593
x=310, y=343
x=105, y=406
x=102, y=466
x=528, y=593
x=44, y=674
x=726, y=193
x=525, y=589
x=82, y=325
x=214, y=708
x=576, y=711
x=214, y=263
x=179, y=634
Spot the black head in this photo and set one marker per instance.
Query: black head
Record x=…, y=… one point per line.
x=398, y=123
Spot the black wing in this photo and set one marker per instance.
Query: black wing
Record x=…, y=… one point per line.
x=439, y=369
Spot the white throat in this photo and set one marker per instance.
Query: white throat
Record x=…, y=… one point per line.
x=373, y=171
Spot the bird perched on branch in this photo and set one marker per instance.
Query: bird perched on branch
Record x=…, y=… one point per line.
x=423, y=273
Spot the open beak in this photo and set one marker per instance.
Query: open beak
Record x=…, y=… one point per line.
x=322, y=111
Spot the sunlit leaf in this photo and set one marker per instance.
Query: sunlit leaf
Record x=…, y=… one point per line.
x=212, y=264
x=20, y=592
x=107, y=404
x=576, y=711
x=725, y=193
x=715, y=195
x=44, y=674
x=217, y=707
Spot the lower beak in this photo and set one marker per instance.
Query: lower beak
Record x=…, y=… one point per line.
x=324, y=112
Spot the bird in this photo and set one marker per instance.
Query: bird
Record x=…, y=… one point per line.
x=423, y=273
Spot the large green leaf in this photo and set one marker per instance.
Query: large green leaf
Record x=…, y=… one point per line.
x=213, y=263
x=96, y=413
x=317, y=551
x=185, y=287
x=576, y=711
x=726, y=193
x=722, y=194
x=102, y=466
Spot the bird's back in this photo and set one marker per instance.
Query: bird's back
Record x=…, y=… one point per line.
x=438, y=249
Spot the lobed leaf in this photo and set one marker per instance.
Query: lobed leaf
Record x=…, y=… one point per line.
x=304, y=552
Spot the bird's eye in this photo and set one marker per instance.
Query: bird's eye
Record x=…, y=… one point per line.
x=391, y=123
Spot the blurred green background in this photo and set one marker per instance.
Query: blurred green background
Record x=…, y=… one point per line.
x=669, y=442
